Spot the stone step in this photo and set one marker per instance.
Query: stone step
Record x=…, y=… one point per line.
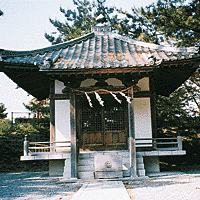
x=139, y=160
x=141, y=172
x=86, y=168
x=86, y=175
x=110, y=174
x=86, y=162
x=140, y=166
x=86, y=155
x=127, y=173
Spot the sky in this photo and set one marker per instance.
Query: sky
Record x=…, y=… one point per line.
x=22, y=27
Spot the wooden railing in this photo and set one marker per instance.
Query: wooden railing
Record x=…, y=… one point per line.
x=160, y=143
x=46, y=147
x=31, y=148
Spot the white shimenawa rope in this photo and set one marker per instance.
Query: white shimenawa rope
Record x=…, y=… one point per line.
x=89, y=100
x=128, y=99
x=99, y=99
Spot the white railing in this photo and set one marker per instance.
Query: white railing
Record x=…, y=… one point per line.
x=31, y=148
x=160, y=143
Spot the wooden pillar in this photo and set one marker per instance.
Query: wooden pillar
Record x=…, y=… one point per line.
x=52, y=115
x=132, y=145
x=179, y=140
x=153, y=108
x=73, y=136
x=26, y=146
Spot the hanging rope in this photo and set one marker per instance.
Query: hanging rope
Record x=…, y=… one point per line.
x=108, y=91
x=113, y=93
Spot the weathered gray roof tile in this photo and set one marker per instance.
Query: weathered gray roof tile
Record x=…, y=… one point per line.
x=99, y=50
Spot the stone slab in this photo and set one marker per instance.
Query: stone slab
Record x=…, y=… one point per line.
x=162, y=153
x=86, y=155
x=86, y=162
x=86, y=168
x=46, y=156
x=104, y=190
x=86, y=175
x=108, y=163
x=108, y=175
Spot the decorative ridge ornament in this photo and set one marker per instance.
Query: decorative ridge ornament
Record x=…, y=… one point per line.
x=102, y=26
x=47, y=63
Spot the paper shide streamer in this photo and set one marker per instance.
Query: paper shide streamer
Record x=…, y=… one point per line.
x=115, y=97
x=128, y=99
x=89, y=100
x=99, y=99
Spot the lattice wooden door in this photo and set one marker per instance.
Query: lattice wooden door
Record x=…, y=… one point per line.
x=102, y=127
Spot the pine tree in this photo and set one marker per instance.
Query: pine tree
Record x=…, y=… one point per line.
x=39, y=108
x=2, y=110
x=178, y=20
x=79, y=21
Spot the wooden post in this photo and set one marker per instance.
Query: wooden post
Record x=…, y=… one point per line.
x=132, y=150
x=132, y=145
x=26, y=145
x=52, y=117
x=154, y=143
x=73, y=136
x=153, y=108
x=12, y=119
x=179, y=140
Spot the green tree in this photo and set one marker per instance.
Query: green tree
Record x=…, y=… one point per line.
x=12, y=138
x=39, y=108
x=41, y=111
x=78, y=22
x=2, y=111
x=177, y=20
x=1, y=13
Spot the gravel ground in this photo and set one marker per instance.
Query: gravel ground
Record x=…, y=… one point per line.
x=34, y=185
x=37, y=185
x=178, y=186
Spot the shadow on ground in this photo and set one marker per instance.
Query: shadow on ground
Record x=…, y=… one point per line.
x=163, y=179
x=34, y=185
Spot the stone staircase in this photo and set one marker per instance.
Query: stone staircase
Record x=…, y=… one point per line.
x=86, y=166
x=86, y=163
x=140, y=165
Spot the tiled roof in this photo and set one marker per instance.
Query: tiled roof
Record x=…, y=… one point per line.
x=98, y=50
x=101, y=49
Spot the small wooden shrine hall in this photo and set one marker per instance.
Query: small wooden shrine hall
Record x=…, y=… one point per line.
x=102, y=89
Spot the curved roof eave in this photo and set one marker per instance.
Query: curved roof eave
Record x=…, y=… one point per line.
x=99, y=51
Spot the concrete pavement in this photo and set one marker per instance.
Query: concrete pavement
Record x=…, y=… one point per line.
x=102, y=190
